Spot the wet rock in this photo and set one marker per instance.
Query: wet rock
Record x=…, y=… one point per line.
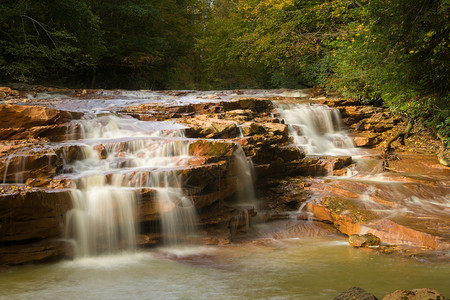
x=346, y=214
x=32, y=215
x=212, y=148
x=256, y=104
x=355, y=293
x=204, y=127
x=21, y=116
x=416, y=294
x=148, y=239
x=289, y=153
x=26, y=165
x=366, y=139
x=276, y=128
x=394, y=233
x=7, y=93
x=71, y=153
x=366, y=240
x=42, y=251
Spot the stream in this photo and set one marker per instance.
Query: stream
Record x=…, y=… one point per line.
x=285, y=259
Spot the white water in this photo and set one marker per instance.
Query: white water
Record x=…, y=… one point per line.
x=317, y=129
x=137, y=155
x=245, y=178
x=20, y=162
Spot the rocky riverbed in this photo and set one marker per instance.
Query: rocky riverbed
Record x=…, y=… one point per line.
x=233, y=140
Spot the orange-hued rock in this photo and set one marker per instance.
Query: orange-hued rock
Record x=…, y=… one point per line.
x=8, y=93
x=21, y=167
x=415, y=294
x=342, y=222
x=32, y=215
x=218, y=148
x=47, y=250
x=366, y=139
x=21, y=116
x=393, y=233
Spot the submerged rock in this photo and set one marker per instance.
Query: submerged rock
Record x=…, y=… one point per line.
x=366, y=240
x=355, y=293
x=416, y=294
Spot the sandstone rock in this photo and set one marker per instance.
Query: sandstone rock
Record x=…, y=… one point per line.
x=394, y=233
x=203, y=127
x=366, y=240
x=33, y=215
x=366, y=139
x=276, y=128
x=259, y=105
x=289, y=153
x=20, y=116
x=212, y=148
x=416, y=294
x=355, y=293
x=41, y=251
x=5, y=89
x=21, y=167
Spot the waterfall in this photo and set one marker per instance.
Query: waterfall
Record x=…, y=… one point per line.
x=244, y=171
x=135, y=155
x=245, y=195
x=178, y=214
x=316, y=128
x=17, y=165
x=102, y=220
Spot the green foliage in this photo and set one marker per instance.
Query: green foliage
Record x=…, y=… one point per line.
x=393, y=53
x=109, y=44
x=383, y=52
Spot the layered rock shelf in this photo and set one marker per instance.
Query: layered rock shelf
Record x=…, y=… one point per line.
x=41, y=147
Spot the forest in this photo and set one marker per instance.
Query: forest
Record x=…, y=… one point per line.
x=385, y=52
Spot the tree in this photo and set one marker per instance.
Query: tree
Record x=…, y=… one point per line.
x=47, y=39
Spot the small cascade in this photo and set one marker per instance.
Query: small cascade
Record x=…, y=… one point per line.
x=316, y=128
x=245, y=179
x=178, y=216
x=102, y=220
x=245, y=196
x=118, y=158
x=241, y=220
x=17, y=165
x=5, y=174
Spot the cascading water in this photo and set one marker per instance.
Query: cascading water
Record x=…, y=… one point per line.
x=20, y=163
x=316, y=128
x=244, y=171
x=245, y=195
x=136, y=156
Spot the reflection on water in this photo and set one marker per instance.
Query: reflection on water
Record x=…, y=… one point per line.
x=301, y=268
